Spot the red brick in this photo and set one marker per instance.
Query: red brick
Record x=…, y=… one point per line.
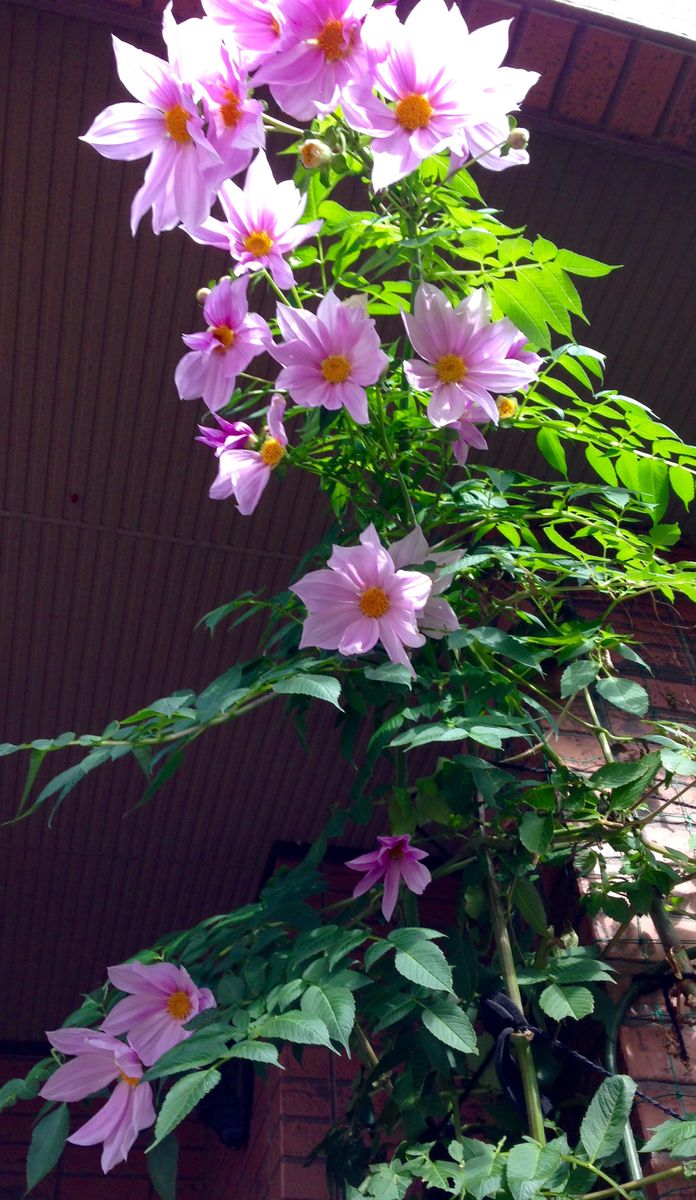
x=543, y=46
x=648, y=1049
x=484, y=12
x=105, y=1187
x=645, y=90
x=300, y=1136
x=303, y=1099
x=591, y=75
x=680, y=124
x=314, y=1065
x=303, y=1183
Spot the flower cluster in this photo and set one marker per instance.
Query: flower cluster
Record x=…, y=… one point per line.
x=160, y=999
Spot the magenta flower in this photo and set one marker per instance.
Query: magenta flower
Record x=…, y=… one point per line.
x=320, y=55
x=437, y=617
x=162, y=998
x=329, y=358
x=99, y=1060
x=466, y=356
x=395, y=860
x=243, y=472
x=362, y=599
x=184, y=170
x=423, y=105
x=255, y=26
x=262, y=223
x=230, y=435
x=234, y=336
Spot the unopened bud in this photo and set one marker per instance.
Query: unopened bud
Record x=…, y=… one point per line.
x=315, y=154
x=357, y=300
x=507, y=407
x=202, y=295
x=518, y=138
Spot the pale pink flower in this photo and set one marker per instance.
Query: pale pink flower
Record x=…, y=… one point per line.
x=218, y=80
x=256, y=26
x=360, y=599
x=423, y=106
x=244, y=472
x=329, y=358
x=99, y=1060
x=162, y=998
x=184, y=170
x=234, y=336
x=321, y=53
x=395, y=860
x=466, y=356
x=437, y=617
x=467, y=436
x=262, y=223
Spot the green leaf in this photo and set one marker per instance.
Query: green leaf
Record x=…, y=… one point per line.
x=506, y=294
x=678, y=1137
x=321, y=687
x=295, y=1026
x=602, y=465
x=682, y=482
x=46, y=1146
x=263, y=1052
x=425, y=964
x=605, y=1120
x=526, y=899
x=162, y=1162
x=580, y=967
x=579, y=264
x=446, y=1021
x=335, y=1006
x=203, y=1047
x=390, y=673
x=579, y=674
x=616, y=774
x=550, y=446
x=536, y=832
x=624, y=694
x=557, y=1002
x=181, y=1099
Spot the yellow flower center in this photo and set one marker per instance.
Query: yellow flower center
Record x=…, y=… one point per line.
x=413, y=112
x=275, y=27
x=225, y=336
x=231, y=110
x=131, y=1080
x=374, y=603
x=175, y=120
x=335, y=368
x=507, y=407
x=332, y=42
x=272, y=452
x=258, y=243
x=179, y=1006
x=450, y=368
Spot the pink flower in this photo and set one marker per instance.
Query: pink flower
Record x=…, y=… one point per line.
x=467, y=357
x=242, y=472
x=256, y=26
x=230, y=435
x=395, y=860
x=331, y=357
x=321, y=53
x=362, y=599
x=262, y=223
x=162, y=998
x=467, y=436
x=437, y=617
x=424, y=105
x=184, y=170
x=99, y=1060
x=234, y=336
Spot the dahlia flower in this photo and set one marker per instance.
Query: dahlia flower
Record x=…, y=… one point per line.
x=360, y=598
x=262, y=223
x=161, y=999
x=99, y=1060
x=184, y=170
x=244, y=472
x=256, y=26
x=437, y=617
x=329, y=358
x=395, y=860
x=467, y=357
x=234, y=336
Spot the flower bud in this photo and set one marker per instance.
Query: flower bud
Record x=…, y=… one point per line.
x=315, y=154
x=518, y=138
x=202, y=295
x=357, y=300
x=507, y=407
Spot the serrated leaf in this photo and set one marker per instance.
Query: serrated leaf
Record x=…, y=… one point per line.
x=559, y=1003
x=616, y=774
x=577, y=675
x=335, y=1006
x=162, y=1163
x=295, y=1026
x=263, y=1052
x=602, y=465
x=677, y=1137
x=526, y=899
x=580, y=264
x=181, y=1099
x=536, y=832
x=605, y=1120
x=321, y=687
x=624, y=694
x=446, y=1021
x=682, y=482
x=46, y=1146
x=203, y=1047
x=425, y=964
x=551, y=447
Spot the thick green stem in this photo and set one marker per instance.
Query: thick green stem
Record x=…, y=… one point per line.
x=658, y=1177
x=532, y=1100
